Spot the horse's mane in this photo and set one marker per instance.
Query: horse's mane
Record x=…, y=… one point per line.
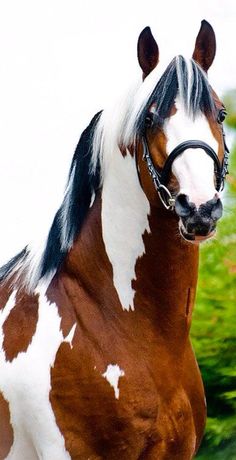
x=83, y=183
x=123, y=124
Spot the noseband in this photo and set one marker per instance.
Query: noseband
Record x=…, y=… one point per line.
x=160, y=179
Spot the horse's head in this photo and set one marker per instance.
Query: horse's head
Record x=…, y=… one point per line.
x=181, y=135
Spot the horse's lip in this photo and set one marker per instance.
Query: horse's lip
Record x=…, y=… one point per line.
x=195, y=239
x=203, y=238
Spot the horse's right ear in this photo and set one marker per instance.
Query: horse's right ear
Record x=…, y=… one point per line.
x=148, y=52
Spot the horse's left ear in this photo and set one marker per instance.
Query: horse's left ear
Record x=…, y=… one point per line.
x=205, y=46
x=148, y=52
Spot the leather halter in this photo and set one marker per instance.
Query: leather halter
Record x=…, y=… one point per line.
x=160, y=179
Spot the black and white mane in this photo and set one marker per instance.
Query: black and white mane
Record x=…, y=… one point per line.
x=122, y=125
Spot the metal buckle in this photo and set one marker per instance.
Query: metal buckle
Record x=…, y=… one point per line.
x=166, y=198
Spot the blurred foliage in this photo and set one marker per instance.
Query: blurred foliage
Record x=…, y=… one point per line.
x=230, y=104
x=214, y=322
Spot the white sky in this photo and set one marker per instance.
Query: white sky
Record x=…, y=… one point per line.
x=60, y=62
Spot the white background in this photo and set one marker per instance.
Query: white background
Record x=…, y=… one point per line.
x=60, y=62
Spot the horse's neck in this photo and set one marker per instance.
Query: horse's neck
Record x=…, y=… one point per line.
x=134, y=252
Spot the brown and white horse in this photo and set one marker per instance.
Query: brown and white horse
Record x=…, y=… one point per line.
x=95, y=356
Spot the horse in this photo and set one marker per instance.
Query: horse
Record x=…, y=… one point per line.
x=95, y=355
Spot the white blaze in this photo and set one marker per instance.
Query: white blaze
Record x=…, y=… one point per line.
x=194, y=169
x=112, y=375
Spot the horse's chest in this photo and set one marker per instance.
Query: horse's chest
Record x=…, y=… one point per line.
x=80, y=397
x=118, y=406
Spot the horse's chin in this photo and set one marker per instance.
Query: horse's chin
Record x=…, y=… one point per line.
x=195, y=239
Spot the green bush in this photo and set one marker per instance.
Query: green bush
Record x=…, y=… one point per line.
x=214, y=327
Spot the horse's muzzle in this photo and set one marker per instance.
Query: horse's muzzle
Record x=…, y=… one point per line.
x=197, y=224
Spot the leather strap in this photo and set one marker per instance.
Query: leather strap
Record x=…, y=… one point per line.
x=191, y=144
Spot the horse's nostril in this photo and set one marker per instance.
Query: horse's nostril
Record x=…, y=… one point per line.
x=217, y=210
x=190, y=227
x=183, y=207
x=213, y=209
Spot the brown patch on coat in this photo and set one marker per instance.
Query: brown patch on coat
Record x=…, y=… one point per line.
x=5, y=292
x=157, y=148
x=6, y=431
x=20, y=326
x=215, y=126
x=216, y=129
x=124, y=150
x=76, y=285
x=156, y=141
x=174, y=288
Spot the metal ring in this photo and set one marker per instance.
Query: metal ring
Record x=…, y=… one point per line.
x=168, y=201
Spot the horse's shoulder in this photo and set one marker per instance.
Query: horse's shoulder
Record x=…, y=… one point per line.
x=18, y=320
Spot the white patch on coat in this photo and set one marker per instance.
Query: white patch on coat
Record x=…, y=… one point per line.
x=4, y=313
x=194, y=169
x=112, y=375
x=125, y=211
x=25, y=383
x=70, y=336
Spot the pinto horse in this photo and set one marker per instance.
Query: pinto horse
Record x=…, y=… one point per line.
x=95, y=356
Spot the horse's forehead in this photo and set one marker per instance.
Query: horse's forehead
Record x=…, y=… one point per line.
x=181, y=126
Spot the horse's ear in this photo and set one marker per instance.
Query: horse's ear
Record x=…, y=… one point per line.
x=148, y=52
x=205, y=46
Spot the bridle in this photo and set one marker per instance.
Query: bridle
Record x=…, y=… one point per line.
x=161, y=178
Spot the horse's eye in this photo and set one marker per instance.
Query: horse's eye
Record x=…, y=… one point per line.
x=149, y=120
x=221, y=115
